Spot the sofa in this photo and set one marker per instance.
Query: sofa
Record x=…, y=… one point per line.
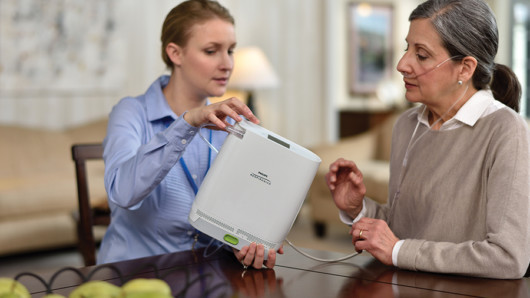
x=38, y=190
x=370, y=150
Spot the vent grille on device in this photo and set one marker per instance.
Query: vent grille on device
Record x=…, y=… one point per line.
x=252, y=238
x=215, y=221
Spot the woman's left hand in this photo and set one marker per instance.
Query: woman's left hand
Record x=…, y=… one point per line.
x=374, y=236
x=254, y=256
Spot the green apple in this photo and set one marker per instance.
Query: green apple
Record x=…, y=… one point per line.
x=9, y=286
x=146, y=295
x=96, y=288
x=9, y=295
x=146, y=285
x=53, y=296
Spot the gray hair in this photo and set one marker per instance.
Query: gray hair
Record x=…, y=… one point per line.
x=469, y=28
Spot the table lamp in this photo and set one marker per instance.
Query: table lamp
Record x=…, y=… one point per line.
x=252, y=71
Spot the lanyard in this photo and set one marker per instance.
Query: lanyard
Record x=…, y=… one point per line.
x=191, y=181
x=187, y=171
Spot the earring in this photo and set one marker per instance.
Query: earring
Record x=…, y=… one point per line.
x=459, y=82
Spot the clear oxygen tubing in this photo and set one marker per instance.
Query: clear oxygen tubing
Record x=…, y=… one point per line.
x=205, y=140
x=407, y=76
x=411, y=144
x=229, y=129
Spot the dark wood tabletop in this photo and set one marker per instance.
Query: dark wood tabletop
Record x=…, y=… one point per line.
x=190, y=274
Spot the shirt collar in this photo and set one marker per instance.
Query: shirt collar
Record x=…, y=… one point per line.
x=157, y=105
x=473, y=109
x=469, y=113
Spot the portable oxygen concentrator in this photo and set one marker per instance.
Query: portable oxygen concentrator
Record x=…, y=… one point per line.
x=254, y=189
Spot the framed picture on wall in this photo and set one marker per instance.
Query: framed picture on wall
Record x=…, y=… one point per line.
x=370, y=45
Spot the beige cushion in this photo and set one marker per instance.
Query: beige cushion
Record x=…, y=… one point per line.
x=28, y=152
x=384, y=138
x=93, y=132
x=38, y=174
x=38, y=192
x=376, y=175
x=360, y=147
x=370, y=151
x=37, y=232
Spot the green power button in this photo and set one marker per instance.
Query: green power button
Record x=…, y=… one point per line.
x=231, y=239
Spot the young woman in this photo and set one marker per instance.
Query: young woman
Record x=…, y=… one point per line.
x=154, y=160
x=459, y=195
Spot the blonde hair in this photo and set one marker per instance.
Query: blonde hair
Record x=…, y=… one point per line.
x=179, y=21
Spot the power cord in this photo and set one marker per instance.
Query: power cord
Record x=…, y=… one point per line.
x=206, y=254
x=319, y=259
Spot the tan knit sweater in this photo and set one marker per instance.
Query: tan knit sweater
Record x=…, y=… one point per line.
x=464, y=202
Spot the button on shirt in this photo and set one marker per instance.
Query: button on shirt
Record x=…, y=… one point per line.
x=149, y=194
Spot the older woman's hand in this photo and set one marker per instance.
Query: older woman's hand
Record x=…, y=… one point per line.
x=374, y=236
x=217, y=113
x=345, y=181
x=254, y=255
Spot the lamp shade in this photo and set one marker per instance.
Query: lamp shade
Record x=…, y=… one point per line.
x=252, y=70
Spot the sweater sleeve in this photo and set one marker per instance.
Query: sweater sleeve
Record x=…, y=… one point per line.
x=504, y=252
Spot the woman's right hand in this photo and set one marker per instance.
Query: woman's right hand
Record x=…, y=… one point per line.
x=217, y=113
x=345, y=181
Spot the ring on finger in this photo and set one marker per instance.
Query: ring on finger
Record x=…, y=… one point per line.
x=361, y=234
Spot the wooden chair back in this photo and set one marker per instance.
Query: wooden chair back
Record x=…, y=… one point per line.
x=87, y=216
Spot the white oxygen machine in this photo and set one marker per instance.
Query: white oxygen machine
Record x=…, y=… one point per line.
x=254, y=188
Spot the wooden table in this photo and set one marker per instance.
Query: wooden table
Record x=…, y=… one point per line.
x=190, y=274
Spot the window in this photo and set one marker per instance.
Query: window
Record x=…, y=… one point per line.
x=521, y=49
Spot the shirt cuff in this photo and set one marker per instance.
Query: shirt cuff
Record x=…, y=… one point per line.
x=180, y=132
x=345, y=218
x=395, y=252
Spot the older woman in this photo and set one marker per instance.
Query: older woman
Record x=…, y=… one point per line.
x=459, y=197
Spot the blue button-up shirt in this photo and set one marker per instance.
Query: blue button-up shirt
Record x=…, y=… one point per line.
x=149, y=194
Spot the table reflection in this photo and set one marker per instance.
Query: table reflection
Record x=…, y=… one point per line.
x=420, y=284
x=255, y=283
x=223, y=278
x=192, y=274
